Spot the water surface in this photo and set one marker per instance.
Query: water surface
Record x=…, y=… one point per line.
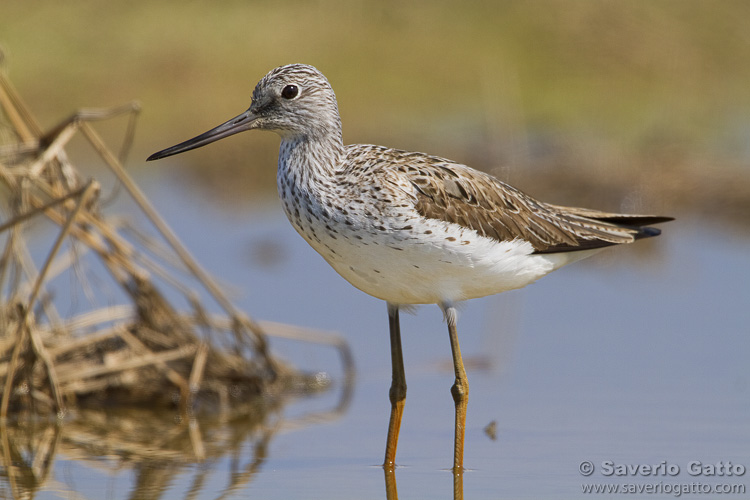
x=636, y=356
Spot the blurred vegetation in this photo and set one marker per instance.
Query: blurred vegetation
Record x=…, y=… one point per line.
x=646, y=103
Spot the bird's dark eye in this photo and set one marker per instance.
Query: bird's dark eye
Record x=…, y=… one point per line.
x=290, y=92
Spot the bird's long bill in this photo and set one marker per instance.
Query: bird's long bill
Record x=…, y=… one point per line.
x=237, y=124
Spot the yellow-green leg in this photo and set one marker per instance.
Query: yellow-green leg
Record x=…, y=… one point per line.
x=459, y=390
x=397, y=393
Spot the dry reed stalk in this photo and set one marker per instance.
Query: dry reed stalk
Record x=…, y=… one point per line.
x=25, y=328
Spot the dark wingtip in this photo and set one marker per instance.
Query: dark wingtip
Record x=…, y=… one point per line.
x=633, y=220
x=659, y=219
x=648, y=232
x=640, y=232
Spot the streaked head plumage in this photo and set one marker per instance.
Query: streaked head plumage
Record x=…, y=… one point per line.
x=295, y=99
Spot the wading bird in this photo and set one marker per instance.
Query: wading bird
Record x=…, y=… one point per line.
x=407, y=227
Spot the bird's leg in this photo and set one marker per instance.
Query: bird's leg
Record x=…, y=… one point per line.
x=397, y=393
x=459, y=390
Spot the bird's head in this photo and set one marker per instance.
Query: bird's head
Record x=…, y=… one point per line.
x=295, y=100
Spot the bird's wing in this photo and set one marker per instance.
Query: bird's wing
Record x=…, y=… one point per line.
x=455, y=193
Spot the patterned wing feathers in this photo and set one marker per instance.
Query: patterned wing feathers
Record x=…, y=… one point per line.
x=457, y=194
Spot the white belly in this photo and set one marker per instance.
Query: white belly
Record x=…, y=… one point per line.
x=448, y=265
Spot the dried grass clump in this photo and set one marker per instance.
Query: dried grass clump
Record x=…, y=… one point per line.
x=139, y=352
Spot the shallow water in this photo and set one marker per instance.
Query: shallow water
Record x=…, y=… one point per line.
x=637, y=356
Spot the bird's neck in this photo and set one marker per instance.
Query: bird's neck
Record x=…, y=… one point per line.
x=306, y=160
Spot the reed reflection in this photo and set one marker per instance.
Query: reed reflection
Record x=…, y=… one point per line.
x=157, y=446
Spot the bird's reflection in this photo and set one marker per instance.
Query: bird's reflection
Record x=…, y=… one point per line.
x=391, y=490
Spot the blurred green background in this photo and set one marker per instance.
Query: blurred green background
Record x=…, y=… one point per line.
x=632, y=105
